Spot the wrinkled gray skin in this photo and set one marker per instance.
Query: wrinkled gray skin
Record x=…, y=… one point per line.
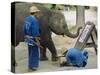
x=49, y=21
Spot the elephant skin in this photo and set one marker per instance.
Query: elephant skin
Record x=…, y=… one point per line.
x=49, y=21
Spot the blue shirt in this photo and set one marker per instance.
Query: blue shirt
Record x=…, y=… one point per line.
x=76, y=57
x=31, y=28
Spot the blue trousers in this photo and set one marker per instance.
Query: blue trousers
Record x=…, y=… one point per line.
x=33, y=56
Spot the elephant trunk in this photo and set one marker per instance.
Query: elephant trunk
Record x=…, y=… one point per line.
x=67, y=33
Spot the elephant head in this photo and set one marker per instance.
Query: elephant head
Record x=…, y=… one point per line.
x=59, y=26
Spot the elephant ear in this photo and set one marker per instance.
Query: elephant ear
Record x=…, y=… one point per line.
x=56, y=22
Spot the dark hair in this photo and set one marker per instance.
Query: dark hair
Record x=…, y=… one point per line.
x=32, y=13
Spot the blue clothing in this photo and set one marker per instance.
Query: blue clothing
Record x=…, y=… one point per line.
x=31, y=30
x=76, y=57
x=31, y=41
x=33, y=54
x=31, y=26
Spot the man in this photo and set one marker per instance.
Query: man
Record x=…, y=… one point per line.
x=76, y=58
x=31, y=31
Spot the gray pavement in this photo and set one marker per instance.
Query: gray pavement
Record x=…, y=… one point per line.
x=49, y=66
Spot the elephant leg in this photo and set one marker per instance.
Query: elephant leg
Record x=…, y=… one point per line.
x=50, y=45
x=43, y=56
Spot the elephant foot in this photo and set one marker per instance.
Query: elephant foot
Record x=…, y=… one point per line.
x=43, y=58
x=54, y=58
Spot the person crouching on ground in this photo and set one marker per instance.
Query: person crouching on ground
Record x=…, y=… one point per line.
x=75, y=57
x=32, y=36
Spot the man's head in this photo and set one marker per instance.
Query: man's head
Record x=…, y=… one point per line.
x=34, y=10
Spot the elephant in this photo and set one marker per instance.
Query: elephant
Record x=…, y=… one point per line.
x=49, y=21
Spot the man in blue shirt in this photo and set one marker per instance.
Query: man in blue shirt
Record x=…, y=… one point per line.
x=31, y=31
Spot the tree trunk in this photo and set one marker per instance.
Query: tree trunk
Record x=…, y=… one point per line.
x=80, y=16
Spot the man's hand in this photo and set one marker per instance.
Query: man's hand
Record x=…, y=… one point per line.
x=38, y=41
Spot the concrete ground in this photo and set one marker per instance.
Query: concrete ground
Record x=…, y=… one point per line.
x=49, y=66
